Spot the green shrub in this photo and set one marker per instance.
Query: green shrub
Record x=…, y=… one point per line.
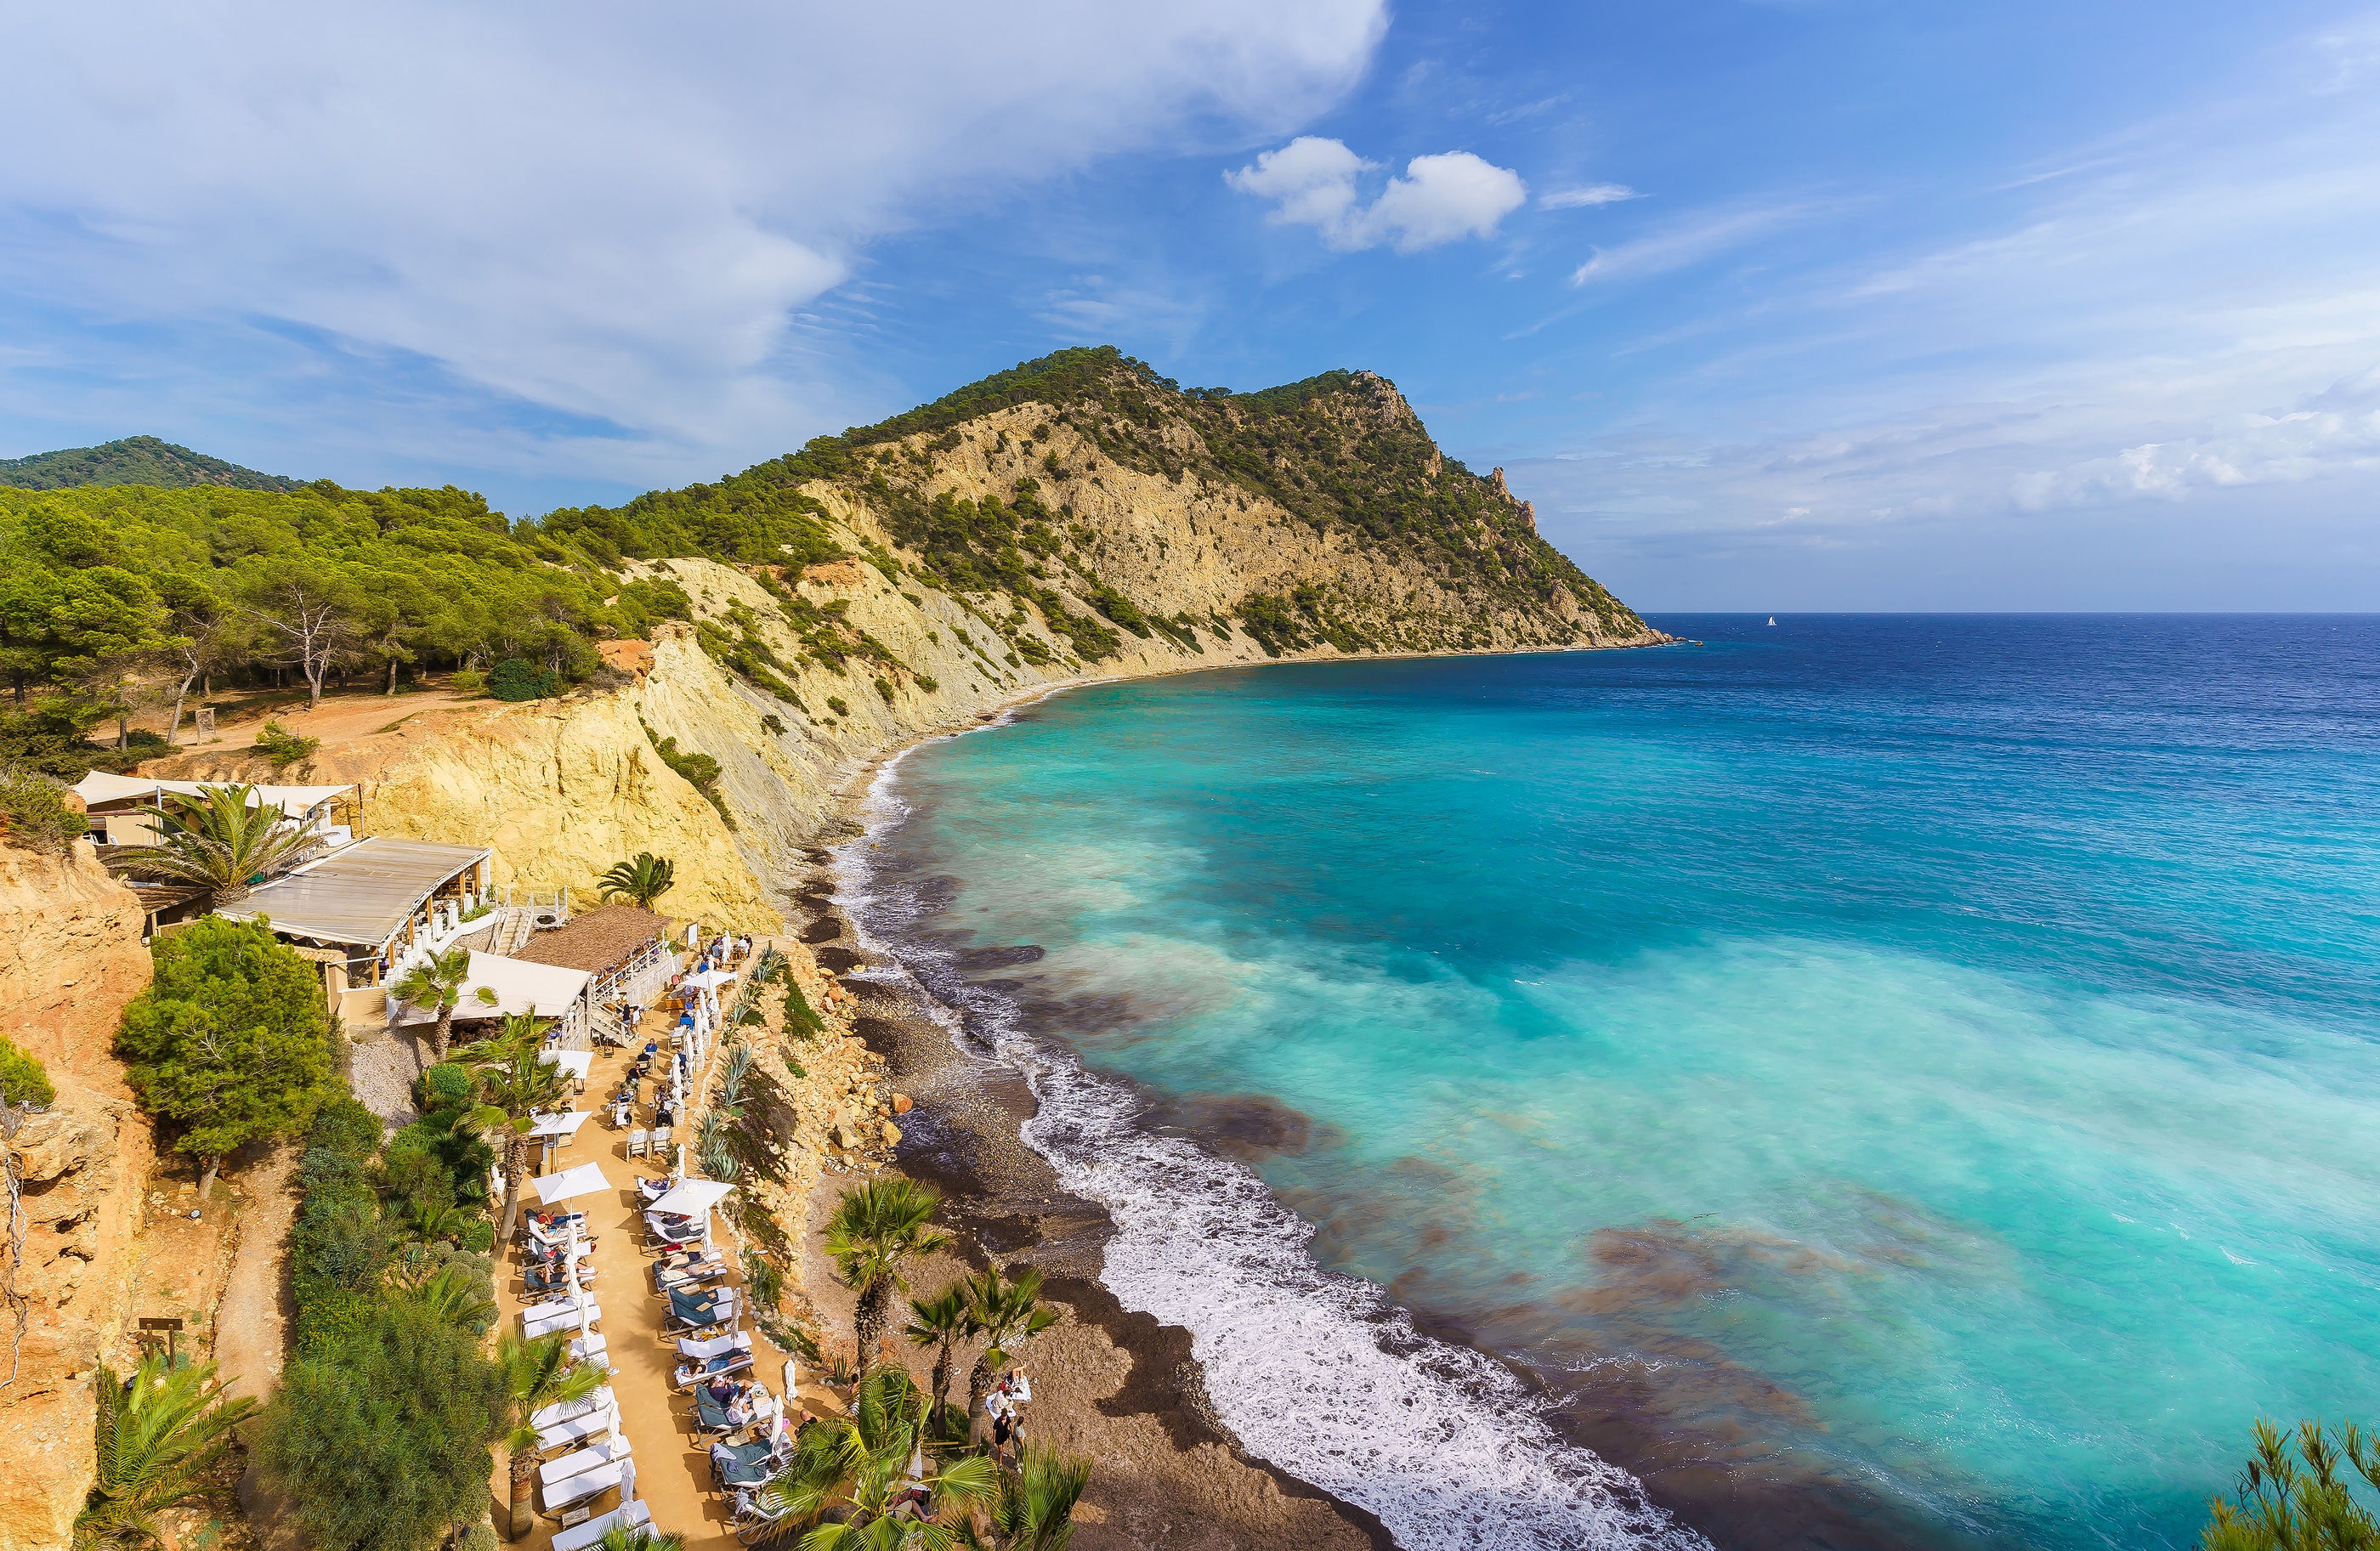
x=478, y=1235
x=885, y=689
x=22, y=1078
x=467, y=681
x=481, y=1536
x=775, y=727
x=282, y=747
x=800, y=1017
x=514, y=680
x=835, y=703
x=446, y=1085
x=928, y=685
x=35, y=815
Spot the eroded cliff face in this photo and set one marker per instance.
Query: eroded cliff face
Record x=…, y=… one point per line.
x=71, y=958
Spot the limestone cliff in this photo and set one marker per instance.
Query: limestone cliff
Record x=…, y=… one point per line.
x=71, y=958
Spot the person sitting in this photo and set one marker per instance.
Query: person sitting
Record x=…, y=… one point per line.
x=739, y=1410
x=722, y=1391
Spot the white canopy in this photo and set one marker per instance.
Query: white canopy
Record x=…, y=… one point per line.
x=585, y=1179
x=562, y=1125
x=690, y=1198
x=518, y=985
x=709, y=979
x=100, y=787
x=577, y=1062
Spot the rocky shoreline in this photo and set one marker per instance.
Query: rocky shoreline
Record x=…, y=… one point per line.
x=1111, y=1384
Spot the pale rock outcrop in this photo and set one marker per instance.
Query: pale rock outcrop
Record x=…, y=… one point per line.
x=71, y=958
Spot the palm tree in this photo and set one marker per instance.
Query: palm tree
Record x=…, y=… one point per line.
x=852, y=1470
x=513, y=1081
x=537, y=1374
x=619, y=1537
x=159, y=1439
x=1036, y=1512
x=876, y=1229
x=438, y=982
x=1010, y=1312
x=220, y=841
x=448, y=1293
x=940, y=1323
x=640, y=881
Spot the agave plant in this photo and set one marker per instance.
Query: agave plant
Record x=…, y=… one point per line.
x=220, y=839
x=159, y=1438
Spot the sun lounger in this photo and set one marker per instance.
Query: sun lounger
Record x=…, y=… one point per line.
x=709, y=1368
x=700, y=1311
x=578, y=1488
x=562, y=1411
x=578, y=1537
x=547, y=1318
x=709, y=1417
x=687, y=1277
x=584, y=1461
x=578, y=1432
x=755, y=1463
x=590, y=1348
x=699, y=1349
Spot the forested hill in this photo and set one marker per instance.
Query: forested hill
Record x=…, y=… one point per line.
x=995, y=484
x=135, y=460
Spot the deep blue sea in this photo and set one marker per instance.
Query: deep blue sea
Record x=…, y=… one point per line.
x=1897, y=1079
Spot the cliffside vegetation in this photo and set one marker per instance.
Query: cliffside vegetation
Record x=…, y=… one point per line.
x=1035, y=496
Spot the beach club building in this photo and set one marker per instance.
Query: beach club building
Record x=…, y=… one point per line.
x=366, y=908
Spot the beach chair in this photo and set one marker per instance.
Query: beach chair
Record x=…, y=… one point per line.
x=709, y=1417
x=754, y=1464
x=578, y=1537
x=540, y=1280
x=704, y=1370
x=562, y=1411
x=709, y=1312
x=638, y=1142
x=568, y=1494
x=547, y=1319
x=555, y=1471
x=753, y=1519
x=578, y=1431
x=592, y=1348
x=685, y=1275
x=661, y=1137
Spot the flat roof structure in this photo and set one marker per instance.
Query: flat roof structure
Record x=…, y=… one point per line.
x=100, y=789
x=599, y=940
x=364, y=893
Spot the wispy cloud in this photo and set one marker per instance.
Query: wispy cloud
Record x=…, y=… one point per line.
x=1688, y=241
x=1587, y=198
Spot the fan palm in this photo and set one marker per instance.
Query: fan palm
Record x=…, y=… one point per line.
x=438, y=982
x=1010, y=1314
x=940, y=1323
x=537, y=1374
x=449, y=1294
x=855, y=1470
x=1036, y=1512
x=619, y=1537
x=640, y=881
x=513, y=1083
x=220, y=839
x=877, y=1228
x=159, y=1438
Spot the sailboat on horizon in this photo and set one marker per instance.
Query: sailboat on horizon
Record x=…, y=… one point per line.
x=1772, y=619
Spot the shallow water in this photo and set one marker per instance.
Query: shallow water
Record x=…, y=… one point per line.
x=1930, y=1060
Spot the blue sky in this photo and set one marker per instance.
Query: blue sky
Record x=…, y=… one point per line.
x=1766, y=306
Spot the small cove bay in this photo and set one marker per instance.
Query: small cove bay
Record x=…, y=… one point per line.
x=1896, y=1080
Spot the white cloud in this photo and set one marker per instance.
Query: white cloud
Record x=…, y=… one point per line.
x=1440, y=199
x=607, y=209
x=1588, y=198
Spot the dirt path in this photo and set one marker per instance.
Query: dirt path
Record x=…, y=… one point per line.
x=250, y=1324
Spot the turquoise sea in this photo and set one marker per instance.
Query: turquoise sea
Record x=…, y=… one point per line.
x=1873, y=1080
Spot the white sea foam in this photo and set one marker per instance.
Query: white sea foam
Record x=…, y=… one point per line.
x=1317, y=1371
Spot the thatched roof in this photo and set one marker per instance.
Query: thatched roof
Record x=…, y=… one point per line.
x=597, y=940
